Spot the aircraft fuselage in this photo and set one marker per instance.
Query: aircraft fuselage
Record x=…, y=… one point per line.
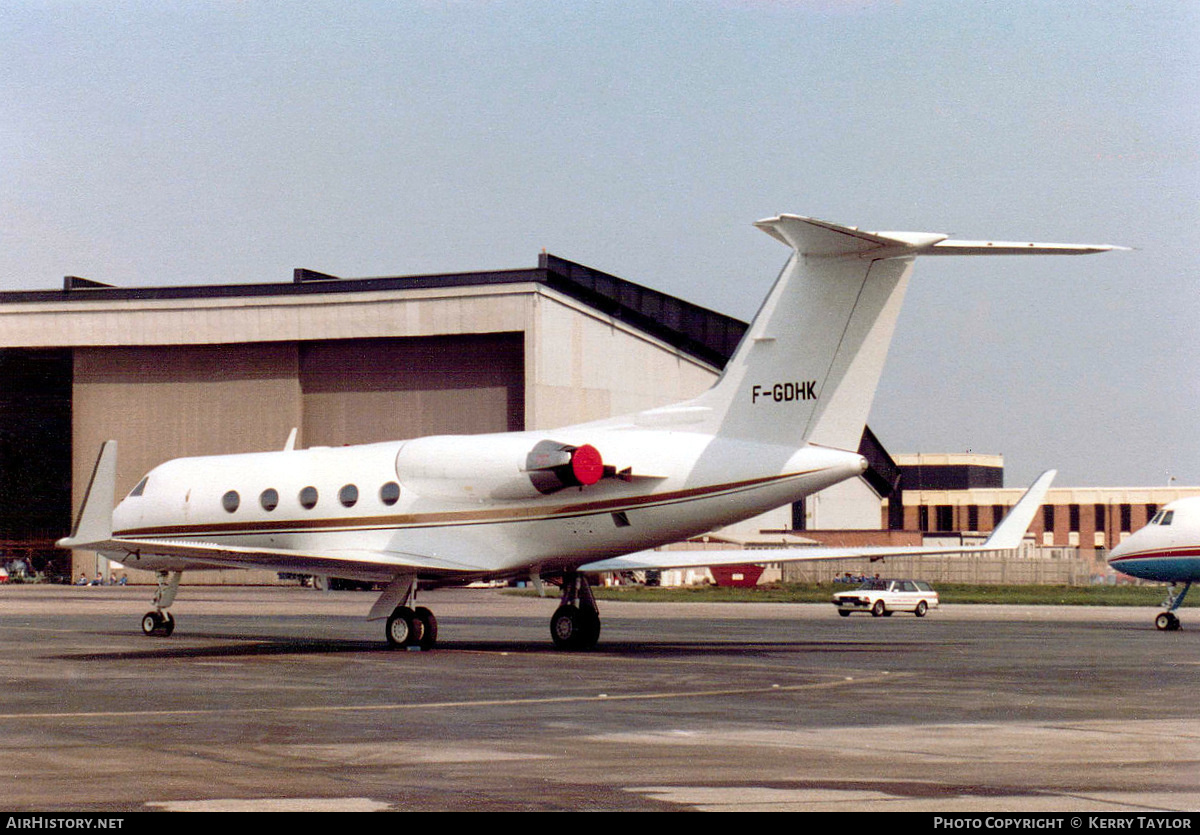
x=465, y=502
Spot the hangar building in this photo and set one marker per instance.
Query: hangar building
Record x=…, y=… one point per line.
x=180, y=371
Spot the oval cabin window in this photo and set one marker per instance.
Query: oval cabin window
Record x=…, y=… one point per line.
x=389, y=493
x=308, y=498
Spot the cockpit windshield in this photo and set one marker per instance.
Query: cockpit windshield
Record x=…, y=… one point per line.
x=140, y=488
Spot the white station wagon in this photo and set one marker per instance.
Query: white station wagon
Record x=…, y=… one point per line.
x=882, y=597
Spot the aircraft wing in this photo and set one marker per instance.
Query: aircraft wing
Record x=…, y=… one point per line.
x=663, y=560
x=1007, y=536
x=350, y=563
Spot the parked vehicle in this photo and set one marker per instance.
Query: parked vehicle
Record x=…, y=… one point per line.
x=882, y=597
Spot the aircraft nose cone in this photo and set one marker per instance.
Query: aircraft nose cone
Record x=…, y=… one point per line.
x=1118, y=551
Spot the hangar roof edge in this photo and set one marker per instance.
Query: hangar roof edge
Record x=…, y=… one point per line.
x=704, y=334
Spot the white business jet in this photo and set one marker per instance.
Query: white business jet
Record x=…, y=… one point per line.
x=783, y=421
x=1167, y=550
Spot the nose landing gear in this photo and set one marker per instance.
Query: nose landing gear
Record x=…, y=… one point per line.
x=159, y=622
x=1168, y=621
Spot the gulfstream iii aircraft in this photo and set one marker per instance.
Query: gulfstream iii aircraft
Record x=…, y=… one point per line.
x=783, y=421
x=1167, y=550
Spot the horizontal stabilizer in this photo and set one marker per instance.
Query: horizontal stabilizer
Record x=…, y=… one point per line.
x=812, y=237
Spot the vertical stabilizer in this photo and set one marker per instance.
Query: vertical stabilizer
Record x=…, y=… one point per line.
x=807, y=368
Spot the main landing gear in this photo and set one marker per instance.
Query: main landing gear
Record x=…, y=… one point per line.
x=1168, y=621
x=576, y=621
x=160, y=622
x=408, y=625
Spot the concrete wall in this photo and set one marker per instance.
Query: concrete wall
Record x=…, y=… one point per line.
x=980, y=569
x=583, y=366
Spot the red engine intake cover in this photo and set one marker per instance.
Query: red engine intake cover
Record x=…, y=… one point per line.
x=587, y=465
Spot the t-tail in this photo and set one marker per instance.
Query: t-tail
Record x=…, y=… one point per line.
x=808, y=366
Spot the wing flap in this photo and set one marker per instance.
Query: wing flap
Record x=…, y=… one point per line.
x=359, y=564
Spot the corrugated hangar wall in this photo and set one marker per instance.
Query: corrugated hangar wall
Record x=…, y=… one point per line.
x=163, y=402
x=365, y=390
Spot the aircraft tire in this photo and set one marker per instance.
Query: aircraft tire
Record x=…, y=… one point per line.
x=590, y=636
x=404, y=628
x=1167, y=621
x=429, y=628
x=150, y=622
x=564, y=627
x=158, y=623
x=574, y=629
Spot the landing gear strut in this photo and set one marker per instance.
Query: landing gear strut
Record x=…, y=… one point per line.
x=1168, y=621
x=576, y=622
x=160, y=622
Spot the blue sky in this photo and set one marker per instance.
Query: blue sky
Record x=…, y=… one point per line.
x=210, y=142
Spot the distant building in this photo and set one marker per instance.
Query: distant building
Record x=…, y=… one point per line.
x=966, y=493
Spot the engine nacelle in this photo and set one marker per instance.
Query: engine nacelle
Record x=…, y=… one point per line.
x=491, y=467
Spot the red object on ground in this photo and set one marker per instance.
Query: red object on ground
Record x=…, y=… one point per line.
x=736, y=575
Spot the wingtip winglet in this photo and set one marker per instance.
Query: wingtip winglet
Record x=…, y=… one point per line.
x=94, y=523
x=1011, y=530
